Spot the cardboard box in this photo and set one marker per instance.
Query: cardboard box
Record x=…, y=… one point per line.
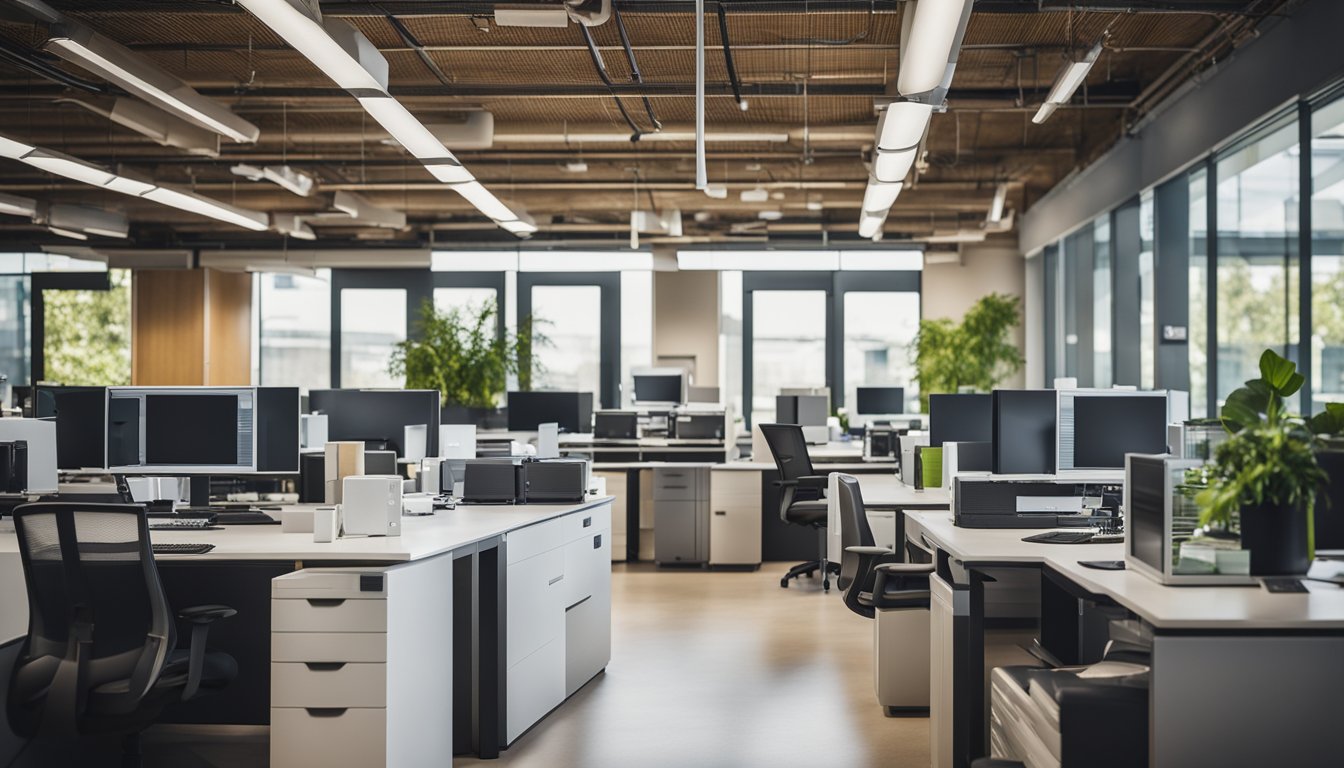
x=343, y=459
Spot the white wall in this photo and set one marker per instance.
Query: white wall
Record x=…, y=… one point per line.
x=686, y=320
x=951, y=289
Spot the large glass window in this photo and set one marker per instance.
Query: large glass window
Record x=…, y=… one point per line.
x=570, y=318
x=880, y=327
x=637, y=329
x=87, y=334
x=372, y=321
x=1327, y=253
x=464, y=299
x=1198, y=335
x=294, y=330
x=1147, y=293
x=14, y=328
x=1257, y=255
x=788, y=346
x=1102, y=374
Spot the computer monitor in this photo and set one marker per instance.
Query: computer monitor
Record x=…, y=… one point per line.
x=379, y=417
x=1329, y=510
x=659, y=386
x=183, y=430
x=573, y=411
x=615, y=425
x=1096, y=428
x=80, y=414
x=879, y=401
x=1024, y=432
x=960, y=419
x=278, y=440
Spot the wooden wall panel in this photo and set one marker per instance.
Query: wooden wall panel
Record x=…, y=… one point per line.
x=228, y=328
x=167, y=327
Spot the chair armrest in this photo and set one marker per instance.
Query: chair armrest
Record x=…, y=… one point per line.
x=814, y=481
x=205, y=614
x=907, y=569
x=875, y=551
x=201, y=617
x=912, y=577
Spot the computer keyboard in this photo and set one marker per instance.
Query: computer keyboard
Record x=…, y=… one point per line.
x=244, y=518
x=182, y=549
x=1061, y=537
x=182, y=524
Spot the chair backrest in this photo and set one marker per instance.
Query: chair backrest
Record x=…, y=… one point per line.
x=789, y=449
x=93, y=588
x=854, y=532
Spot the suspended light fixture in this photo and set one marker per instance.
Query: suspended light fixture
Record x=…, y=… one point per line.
x=929, y=35
x=1066, y=83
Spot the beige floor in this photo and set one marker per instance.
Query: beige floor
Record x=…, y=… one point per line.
x=708, y=669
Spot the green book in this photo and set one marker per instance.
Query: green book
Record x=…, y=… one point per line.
x=932, y=461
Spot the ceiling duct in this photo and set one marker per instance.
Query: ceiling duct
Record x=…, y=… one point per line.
x=82, y=220
x=289, y=179
x=163, y=128
x=356, y=210
x=475, y=131
x=14, y=205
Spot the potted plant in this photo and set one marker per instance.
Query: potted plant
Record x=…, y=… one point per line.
x=459, y=353
x=971, y=356
x=1265, y=475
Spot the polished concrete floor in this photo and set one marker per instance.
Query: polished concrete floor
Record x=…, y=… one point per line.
x=708, y=669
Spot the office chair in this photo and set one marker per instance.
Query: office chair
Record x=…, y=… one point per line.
x=801, y=502
x=101, y=656
x=878, y=586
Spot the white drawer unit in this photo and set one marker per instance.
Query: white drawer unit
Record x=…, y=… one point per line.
x=359, y=673
x=618, y=485
x=557, y=613
x=734, y=518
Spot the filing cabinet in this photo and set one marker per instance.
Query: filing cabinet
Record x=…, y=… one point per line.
x=359, y=673
x=734, y=518
x=681, y=515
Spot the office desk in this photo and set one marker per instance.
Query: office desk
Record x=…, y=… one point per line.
x=505, y=577
x=886, y=499
x=1217, y=652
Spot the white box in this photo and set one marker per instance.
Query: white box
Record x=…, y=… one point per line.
x=296, y=520
x=457, y=441
x=371, y=505
x=415, y=438
x=312, y=431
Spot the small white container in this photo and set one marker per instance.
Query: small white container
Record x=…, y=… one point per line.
x=326, y=524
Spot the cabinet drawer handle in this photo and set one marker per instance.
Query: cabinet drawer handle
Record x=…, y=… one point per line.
x=324, y=666
x=325, y=711
x=555, y=580
x=720, y=513
x=681, y=487
x=597, y=541
x=587, y=522
x=325, y=602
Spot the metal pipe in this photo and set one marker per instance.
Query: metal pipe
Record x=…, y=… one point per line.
x=601, y=68
x=634, y=67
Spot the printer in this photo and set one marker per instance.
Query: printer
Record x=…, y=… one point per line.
x=1032, y=501
x=520, y=480
x=698, y=425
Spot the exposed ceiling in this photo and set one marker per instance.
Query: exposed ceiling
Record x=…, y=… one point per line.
x=810, y=73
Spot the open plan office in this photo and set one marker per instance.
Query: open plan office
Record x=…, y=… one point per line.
x=671, y=383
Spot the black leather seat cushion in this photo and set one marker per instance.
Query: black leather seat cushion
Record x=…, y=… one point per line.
x=807, y=512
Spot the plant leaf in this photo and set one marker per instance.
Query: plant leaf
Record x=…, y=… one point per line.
x=1280, y=374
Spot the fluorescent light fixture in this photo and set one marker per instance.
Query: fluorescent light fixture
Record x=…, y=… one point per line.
x=893, y=167
x=474, y=261
x=927, y=46
x=128, y=186
x=818, y=261
x=69, y=167
x=882, y=261
x=879, y=197
x=520, y=227
x=289, y=179
x=115, y=63
x=902, y=125
x=14, y=205
x=556, y=16
x=73, y=235
x=584, y=261
x=401, y=125
x=1066, y=83
x=194, y=203
x=13, y=149
x=870, y=224
x=292, y=225
x=85, y=220
x=362, y=211
x=336, y=48
x=485, y=201
x=757, y=195
x=996, y=205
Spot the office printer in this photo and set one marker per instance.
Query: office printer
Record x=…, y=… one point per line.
x=698, y=425
x=880, y=442
x=520, y=480
x=1031, y=501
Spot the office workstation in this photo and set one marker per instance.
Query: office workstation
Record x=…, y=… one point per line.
x=947, y=383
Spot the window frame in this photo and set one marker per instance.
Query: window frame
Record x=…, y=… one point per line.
x=609, y=335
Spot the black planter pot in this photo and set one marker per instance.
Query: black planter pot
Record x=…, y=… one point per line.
x=483, y=418
x=1277, y=539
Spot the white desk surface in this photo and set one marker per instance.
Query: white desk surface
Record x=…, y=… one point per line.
x=421, y=537
x=1185, y=607
x=820, y=468
x=887, y=490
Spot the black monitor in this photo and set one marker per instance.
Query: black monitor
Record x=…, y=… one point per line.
x=660, y=388
x=1329, y=511
x=960, y=419
x=1024, y=432
x=879, y=401
x=1145, y=521
x=573, y=411
x=615, y=425
x=277, y=429
x=80, y=414
x=379, y=417
x=182, y=430
x=1106, y=427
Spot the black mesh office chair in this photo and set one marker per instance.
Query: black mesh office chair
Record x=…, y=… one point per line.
x=101, y=655
x=802, y=501
x=873, y=577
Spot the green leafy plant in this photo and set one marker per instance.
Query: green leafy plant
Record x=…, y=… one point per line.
x=459, y=353
x=975, y=354
x=1270, y=458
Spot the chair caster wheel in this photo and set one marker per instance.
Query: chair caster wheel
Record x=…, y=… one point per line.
x=784, y=583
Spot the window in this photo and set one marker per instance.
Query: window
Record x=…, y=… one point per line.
x=637, y=328
x=464, y=299
x=1147, y=293
x=87, y=333
x=372, y=321
x=1257, y=255
x=730, y=340
x=880, y=328
x=788, y=346
x=294, y=330
x=1102, y=375
x=1199, y=288
x=1327, y=253
x=570, y=317
x=14, y=328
